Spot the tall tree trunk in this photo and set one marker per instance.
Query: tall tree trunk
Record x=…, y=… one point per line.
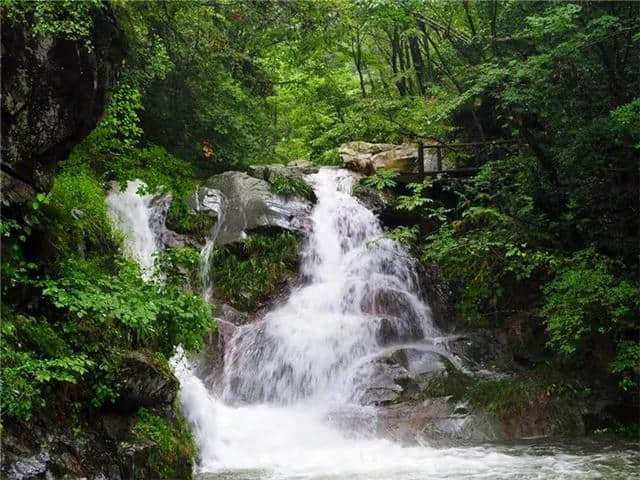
x=418, y=63
x=465, y=4
x=395, y=57
x=427, y=49
x=400, y=56
x=356, y=53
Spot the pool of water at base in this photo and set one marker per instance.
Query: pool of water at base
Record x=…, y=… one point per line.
x=537, y=459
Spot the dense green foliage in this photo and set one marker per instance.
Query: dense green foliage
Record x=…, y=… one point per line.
x=169, y=444
x=247, y=273
x=290, y=187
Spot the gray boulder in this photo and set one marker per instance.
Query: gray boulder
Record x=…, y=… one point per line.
x=247, y=203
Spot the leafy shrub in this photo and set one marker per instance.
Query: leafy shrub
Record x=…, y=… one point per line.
x=250, y=271
x=484, y=261
x=382, y=179
x=158, y=314
x=291, y=187
x=179, y=266
x=404, y=234
x=67, y=18
x=586, y=305
x=26, y=376
x=84, y=313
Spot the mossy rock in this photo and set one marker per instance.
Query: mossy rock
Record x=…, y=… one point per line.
x=159, y=446
x=196, y=225
x=144, y=380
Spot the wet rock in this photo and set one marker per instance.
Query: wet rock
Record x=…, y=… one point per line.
x=228, y=314
x=379, y=202
x=144, y=383
x=434, y=421
x=484, y=351
x=35, y=466
x=439, y=295
x=210, y=362
x=54, y=91
x=249, y=203
x=294, y=170
x=396, y=374
x=400, y=322
x=385, y=334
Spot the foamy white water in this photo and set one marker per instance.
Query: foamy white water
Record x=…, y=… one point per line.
x=288, y=405
x=134, y=215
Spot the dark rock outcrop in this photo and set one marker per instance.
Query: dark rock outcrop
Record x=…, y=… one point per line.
x=66, y=442
x=144, y=383
x=54, y=91
x=439, y=295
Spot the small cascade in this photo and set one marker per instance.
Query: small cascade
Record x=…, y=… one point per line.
x=216, y=201
x=141, y=220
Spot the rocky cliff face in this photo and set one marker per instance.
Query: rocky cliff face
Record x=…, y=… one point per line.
x=54, y=91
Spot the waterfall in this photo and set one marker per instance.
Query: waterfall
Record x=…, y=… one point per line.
x=289, y=404
x=216, y=201
x=138, y=218
x=310, y=347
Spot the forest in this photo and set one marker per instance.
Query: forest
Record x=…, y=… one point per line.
x=541, y=239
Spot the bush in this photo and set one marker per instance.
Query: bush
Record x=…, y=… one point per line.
x=291, y=187
x=382, y=179
x=587, y=306
x=34, y=359
x=171, y=445
x=249, y=272
x=114, y=297
x=84, y=313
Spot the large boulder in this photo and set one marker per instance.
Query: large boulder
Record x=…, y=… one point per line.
x=368, y=157
x=54, y=91
x=247, y=203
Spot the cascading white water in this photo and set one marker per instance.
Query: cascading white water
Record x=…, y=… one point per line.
x=307, y=348
x=291, y=380
x=135, y=215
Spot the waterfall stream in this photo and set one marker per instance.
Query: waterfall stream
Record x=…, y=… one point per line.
x=288, y=404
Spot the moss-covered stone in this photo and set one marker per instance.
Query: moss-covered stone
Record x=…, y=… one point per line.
x=196, y=225
x=161, y=447
x=538, y=403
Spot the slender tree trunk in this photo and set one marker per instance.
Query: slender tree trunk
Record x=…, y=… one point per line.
x=427, y=49
x=418, y=64
x=395, y=54
x=401, y=63
x=472, y=27
x=356, y=53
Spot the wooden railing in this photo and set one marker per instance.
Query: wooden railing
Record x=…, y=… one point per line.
x=477, y=147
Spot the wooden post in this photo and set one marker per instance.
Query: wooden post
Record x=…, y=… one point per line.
x=421, y=158
x=439, y=159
